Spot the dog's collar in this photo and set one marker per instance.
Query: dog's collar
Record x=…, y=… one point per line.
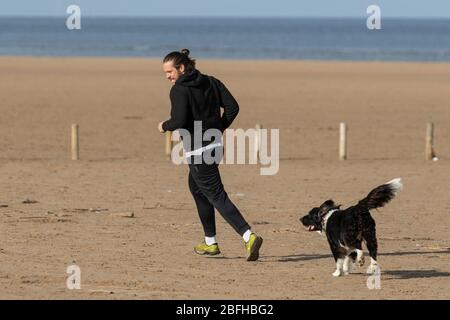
x=326, y=217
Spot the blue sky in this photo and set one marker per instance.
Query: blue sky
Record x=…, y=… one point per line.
x=228, y=8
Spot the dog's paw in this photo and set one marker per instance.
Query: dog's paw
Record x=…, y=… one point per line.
x=348, y=269
x=337, y=273
x=361, y=261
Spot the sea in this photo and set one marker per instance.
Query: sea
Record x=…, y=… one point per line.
x=230, y=38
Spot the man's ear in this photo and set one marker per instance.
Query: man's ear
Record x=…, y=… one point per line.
x=181, y=69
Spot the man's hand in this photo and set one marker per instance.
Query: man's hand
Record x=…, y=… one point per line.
x=160, y=128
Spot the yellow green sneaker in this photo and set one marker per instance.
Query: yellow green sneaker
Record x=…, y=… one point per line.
x=203, y=249
x=252, y=246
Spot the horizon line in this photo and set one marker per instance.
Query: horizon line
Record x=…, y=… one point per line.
x=388, y=61
x=221, y=17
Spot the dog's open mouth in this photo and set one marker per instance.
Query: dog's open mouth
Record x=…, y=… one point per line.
x=311, y=228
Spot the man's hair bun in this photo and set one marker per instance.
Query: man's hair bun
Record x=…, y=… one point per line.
x=185, y=52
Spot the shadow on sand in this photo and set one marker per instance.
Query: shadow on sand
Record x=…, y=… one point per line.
x=414, y=274
x=394, y=274
x=308, y=257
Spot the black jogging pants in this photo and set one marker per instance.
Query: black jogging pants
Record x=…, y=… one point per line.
x=207, y=189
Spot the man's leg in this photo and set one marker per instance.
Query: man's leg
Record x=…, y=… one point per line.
x=208, y=181
x=205, y=209
x=207, y=178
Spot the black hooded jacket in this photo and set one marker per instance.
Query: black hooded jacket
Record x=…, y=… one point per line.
x=199, y=97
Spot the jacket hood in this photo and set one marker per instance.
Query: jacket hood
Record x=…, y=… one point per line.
x=192, y=79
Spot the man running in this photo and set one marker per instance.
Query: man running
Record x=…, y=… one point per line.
x=197, y=97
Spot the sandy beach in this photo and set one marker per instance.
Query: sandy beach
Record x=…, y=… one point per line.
x=55, y=212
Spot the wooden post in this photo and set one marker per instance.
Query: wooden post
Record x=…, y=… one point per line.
x=75, y=140
x=257, y=149
x=429, y=152
x=169, y=145
x=343, y=141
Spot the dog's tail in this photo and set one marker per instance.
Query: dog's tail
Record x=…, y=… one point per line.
x=381, y=195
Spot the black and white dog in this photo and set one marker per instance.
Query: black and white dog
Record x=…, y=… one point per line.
x=346, y=229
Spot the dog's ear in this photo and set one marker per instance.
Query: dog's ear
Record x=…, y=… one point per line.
x=327, y=206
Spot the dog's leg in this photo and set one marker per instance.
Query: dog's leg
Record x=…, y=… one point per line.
x=359, y=254
x=348, y=264
x=339, y=265
x=372, y=246
x=372, y=268
x=360, y=257
x=338, y=258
